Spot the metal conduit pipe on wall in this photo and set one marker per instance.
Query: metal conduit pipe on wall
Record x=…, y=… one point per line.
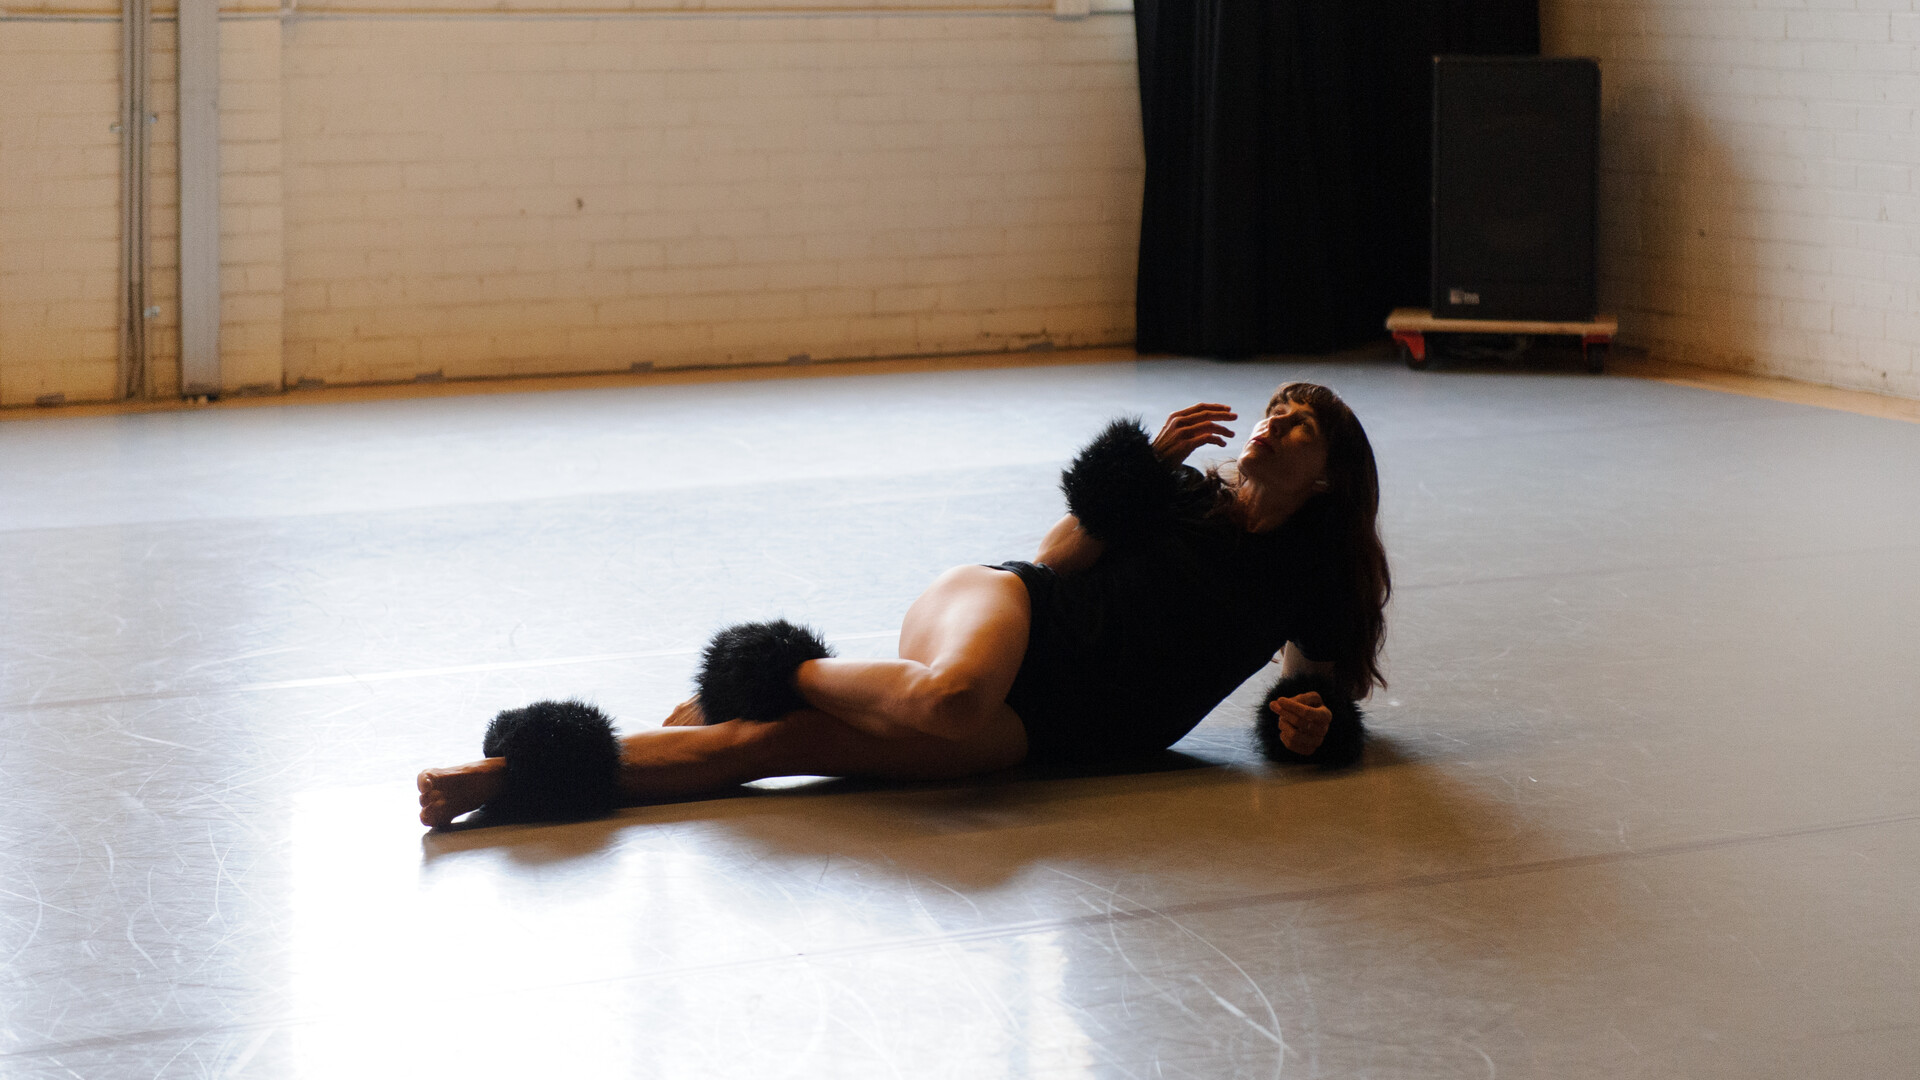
x=199, y=111
x=199, y=104
x=136, y=21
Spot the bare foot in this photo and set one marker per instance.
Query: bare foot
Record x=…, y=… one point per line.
x=445, y=794
x=686, y=714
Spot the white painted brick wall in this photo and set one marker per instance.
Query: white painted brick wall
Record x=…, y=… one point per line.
x=252, y=253
x=537, y=193
x=475, y=197
x=1759, y=203
x=59, y=217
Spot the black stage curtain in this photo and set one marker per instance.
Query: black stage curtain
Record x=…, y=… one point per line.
x=1287, y=151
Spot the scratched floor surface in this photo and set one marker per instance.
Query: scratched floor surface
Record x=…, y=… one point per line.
x=1644, y=798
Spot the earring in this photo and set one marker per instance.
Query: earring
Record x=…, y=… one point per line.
x=1322, y=485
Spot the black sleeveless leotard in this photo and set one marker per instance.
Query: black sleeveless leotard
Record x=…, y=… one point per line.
x=1125, y=657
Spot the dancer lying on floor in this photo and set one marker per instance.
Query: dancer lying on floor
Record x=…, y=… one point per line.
x=1161, y=592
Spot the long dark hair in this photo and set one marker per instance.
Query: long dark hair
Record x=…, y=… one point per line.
x=1343, y=526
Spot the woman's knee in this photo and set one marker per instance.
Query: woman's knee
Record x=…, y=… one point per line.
x=947, y=703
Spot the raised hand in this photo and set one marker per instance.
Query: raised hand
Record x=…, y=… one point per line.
x=1303, y=721
x=1190, y=429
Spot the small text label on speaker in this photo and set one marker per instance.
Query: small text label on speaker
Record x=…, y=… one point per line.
x=1462, y=296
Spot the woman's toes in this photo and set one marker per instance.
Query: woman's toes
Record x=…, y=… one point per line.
x=446, y=794
x=686, y=714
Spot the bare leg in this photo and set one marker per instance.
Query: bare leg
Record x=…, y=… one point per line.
x=678, y=761
x=960, y=648
x=938, y=712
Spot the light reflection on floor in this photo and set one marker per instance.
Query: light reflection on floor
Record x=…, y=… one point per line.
x=437, y=925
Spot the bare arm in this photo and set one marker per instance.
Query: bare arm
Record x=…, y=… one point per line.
x=1067, y=547
x=1294, y=662
x=1304, y=717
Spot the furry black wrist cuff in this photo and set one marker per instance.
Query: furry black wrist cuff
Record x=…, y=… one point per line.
x=1345, y=733
x=747, y=670
x=1118, y=487
x=563, y=762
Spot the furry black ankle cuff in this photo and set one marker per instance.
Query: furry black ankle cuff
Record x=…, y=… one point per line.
x=747, y=670
x=563, y=762
x=1345, y=733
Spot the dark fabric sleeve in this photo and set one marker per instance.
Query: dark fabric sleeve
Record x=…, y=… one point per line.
x=1315, y=635
x=1319, y=624
x=1119, y=488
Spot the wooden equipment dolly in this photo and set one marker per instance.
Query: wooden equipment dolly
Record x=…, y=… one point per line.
x=1410, y=327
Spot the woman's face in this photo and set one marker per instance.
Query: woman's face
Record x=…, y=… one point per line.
x=1287, y=450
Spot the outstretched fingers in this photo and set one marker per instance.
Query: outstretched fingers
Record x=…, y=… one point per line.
x=1190, y=428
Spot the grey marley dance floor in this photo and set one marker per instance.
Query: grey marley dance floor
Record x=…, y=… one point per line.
x=1644, y=798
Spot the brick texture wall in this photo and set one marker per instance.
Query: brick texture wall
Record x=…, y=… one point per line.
x=59, y=216
x=558, y=188
x=570, y=186
x=519, y=196
x=1760, y=209
x=252, y=228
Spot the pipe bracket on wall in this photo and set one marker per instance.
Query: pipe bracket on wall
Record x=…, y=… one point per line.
x=199, y=196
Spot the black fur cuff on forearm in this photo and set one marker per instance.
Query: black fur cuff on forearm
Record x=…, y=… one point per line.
x=747, y=670
x=563, y=763
x=1118, y=487
x=1346, y=733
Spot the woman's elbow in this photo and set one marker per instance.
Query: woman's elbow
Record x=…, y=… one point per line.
x=1067, y=548
x=1294, y=663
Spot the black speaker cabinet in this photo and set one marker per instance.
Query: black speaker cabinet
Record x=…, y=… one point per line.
x=1516, y=146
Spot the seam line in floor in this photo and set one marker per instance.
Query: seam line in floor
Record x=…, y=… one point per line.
x=385, y=676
